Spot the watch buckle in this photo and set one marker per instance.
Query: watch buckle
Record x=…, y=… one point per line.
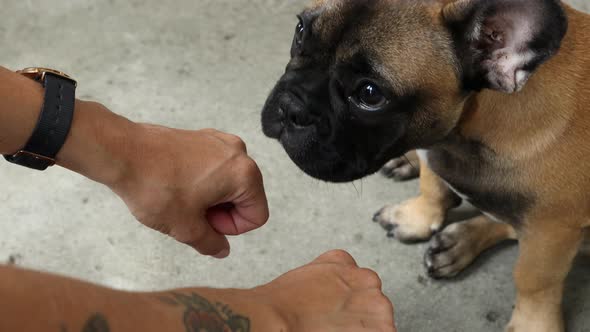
x=35, y=156
x=38, y=74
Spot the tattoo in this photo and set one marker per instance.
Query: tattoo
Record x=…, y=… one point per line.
x=202, y=316
x=96, y=323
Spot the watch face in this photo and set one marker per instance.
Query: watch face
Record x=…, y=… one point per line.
x=38, y=73
x=31, y=160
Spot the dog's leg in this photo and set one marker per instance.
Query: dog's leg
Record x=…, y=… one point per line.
x=403, y=168
x=417, y=219
x=457, y=246
x=546, y=254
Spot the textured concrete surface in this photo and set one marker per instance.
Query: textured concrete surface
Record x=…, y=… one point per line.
x=210, y=63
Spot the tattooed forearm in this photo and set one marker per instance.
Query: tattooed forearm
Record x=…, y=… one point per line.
x=96, y=323
x=200, y=315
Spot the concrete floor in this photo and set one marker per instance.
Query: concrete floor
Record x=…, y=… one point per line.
x=211, y=63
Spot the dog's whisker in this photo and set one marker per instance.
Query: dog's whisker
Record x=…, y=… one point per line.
x=361, y=188
x=356, y=189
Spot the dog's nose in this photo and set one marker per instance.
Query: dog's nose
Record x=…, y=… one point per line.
x=298, y=117
x=295, y=112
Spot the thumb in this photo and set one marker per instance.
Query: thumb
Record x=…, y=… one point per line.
x=202, y=238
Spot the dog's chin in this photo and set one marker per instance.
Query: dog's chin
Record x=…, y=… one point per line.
x=330, y=171
x=320, y=161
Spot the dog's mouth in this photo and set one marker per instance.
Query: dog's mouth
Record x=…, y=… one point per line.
x=311, y=143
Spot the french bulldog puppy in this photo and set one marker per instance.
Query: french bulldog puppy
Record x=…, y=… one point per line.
x=494, y=95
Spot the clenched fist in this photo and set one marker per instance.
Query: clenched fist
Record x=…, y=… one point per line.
x=196, y=186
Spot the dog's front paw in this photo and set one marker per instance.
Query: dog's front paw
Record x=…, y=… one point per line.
x=512, y=328
x=541, y=318
x=401, y=169
x=412, y=221
x=450, y=251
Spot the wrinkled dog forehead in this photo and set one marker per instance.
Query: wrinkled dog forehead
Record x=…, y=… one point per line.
x=402, y=40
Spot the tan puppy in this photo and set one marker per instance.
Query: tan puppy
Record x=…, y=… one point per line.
x=495, y=93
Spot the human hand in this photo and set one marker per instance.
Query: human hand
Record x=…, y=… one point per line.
x=331, y=294
x=196, y=186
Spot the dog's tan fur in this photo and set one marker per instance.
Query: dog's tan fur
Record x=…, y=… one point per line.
x=553, y=118
x=550, y=117
x=541, y=131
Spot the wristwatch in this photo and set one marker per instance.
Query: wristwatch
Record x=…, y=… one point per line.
x=54, y=121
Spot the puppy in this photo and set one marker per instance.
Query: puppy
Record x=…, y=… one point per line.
x=495, y=96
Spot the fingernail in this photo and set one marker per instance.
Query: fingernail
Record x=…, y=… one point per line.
x=222, y=254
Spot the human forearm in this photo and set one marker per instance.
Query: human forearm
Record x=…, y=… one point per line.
x=196, y=186
x=95, y=144
x=98, y=144
x=33, y=301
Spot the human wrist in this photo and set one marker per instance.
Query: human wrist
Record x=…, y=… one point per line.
x=98, y=144
x=239, y=307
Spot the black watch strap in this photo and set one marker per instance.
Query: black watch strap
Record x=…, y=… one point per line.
x=53, y=126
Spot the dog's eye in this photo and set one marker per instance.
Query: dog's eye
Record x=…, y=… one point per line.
x=299, y=32
x=370, y=97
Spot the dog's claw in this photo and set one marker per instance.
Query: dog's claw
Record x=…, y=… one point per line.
x=376, y=216
x=428, y=264
x=401, y=169
x=389, y=227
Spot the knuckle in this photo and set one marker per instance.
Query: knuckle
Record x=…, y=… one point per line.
x=370, y=278
x=339, y=255
x=237, y=142
x=384, y=305
x=383, y=302
x=251, y=171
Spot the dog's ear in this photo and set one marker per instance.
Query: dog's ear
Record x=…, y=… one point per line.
x=500, y=43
